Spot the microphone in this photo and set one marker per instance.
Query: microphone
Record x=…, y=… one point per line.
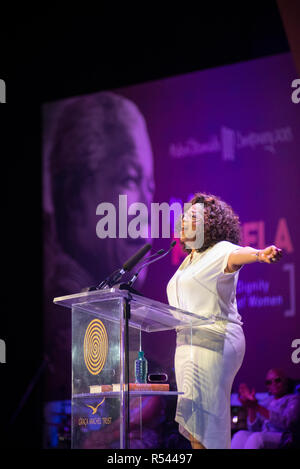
x=127, y=266
x=126, y=286
x=158, y=253
x=133, y=279
x=130, y=263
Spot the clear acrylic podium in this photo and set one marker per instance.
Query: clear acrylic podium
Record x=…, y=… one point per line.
x=105, y=343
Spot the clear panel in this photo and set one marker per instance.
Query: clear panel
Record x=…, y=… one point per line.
x=97, y=376
x=146, y=314
x=99, y=398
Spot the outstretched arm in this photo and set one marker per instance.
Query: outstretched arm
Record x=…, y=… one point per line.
x=248, y=255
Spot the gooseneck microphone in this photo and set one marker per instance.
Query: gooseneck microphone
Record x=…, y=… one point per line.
x=136, y=258
x=127, y=266
x=135, y=276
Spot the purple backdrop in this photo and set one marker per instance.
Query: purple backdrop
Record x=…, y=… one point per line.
x=232, y=131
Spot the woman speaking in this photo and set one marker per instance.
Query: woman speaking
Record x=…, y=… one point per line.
x=205, y=283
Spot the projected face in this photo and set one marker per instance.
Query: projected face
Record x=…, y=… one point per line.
x=132, y=175
x=114, y=143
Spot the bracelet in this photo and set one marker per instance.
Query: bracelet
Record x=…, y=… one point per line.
x=257, y=256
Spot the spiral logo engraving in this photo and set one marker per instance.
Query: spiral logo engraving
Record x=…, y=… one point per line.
x=95, y=346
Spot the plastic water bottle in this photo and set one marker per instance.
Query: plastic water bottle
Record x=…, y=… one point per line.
x=141, y=368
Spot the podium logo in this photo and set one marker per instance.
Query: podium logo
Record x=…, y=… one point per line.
x=94, y=409
x=2, y=91
x=95, y=346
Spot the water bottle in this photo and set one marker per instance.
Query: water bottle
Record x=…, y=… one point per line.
x=141, y=368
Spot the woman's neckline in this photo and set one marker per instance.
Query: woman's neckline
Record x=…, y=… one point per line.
x=188, y=262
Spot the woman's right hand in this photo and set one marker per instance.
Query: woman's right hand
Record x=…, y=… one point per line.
x=247, y=397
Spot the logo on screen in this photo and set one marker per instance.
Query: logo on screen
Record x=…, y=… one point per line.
x=228, y=139
x=95, y=346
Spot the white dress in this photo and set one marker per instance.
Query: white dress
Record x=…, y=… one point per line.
x=205, y=370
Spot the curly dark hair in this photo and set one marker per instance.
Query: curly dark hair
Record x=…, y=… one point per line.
x=220, y=221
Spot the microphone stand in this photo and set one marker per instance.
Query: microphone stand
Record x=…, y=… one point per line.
x=127, y=314
x=128, y=285
x=135, y=276
x=113, y=278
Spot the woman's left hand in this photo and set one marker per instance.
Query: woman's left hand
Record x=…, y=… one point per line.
x=270, y=254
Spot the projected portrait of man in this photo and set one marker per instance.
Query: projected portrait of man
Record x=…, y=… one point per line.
x=96, y=147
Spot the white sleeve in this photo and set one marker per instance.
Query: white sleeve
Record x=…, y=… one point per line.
x=229, y=248
x=219, y=259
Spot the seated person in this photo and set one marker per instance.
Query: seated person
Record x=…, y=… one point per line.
x=267, y=423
